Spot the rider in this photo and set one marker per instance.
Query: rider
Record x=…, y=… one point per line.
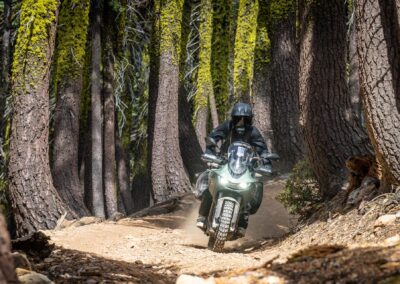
x=238, y=128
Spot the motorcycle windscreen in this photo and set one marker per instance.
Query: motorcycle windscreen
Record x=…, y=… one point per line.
x=238, y=158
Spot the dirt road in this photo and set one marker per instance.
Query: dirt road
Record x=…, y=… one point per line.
x=171, y=241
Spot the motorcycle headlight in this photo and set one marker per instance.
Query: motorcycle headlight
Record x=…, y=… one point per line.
x=243, y=185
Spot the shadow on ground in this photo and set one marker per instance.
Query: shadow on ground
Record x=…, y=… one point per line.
x=71, y=266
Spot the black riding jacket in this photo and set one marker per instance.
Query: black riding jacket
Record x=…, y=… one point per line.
x=228, y=135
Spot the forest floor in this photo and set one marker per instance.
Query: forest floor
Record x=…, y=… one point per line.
x=341, y=248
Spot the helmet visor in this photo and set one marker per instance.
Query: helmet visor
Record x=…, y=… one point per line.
x=236, y=120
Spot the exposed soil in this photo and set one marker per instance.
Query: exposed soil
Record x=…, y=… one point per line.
x=156, y=249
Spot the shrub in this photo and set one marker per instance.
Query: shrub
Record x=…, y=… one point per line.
x=301, y=195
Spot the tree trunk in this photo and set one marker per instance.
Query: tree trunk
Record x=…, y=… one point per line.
x=36, y=203
x=213, y=109
x=5, y=81
x=188, y=142
x=330, y=135
x=110, y=189
x=7, y=272
x=261, y=98
x=109, y=163
x=285, y=86
x=233, y=23
x=262, y=109
x=70, y=57
x=204, y=79
x=245, y=41
x=378, y=47
x=220, y=55
x=123, y=175
x=169, y=176
x=142, y=190
x=190, y=147
x=353, y=80
x=96, y=116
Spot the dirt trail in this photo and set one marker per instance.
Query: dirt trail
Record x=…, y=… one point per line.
x=172, y=244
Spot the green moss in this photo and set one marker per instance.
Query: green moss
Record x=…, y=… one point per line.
x=245, y=42
x=204, y=80
x=280, y=9
x=71, y=39
x=220, y=54
x=37, y=20
x=263, y=43
x=170, y=28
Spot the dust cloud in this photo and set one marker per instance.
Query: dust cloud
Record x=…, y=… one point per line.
x=271, y=220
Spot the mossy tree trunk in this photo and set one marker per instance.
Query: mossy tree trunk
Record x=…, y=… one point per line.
x=285, y=83
x=204, y=80
x=261, y=88
x=378, y=48
x=142, y=190
x=233, y=24
x=189, y=144
x=220, y=54
x=5, y=82
x=245, y=42
x=169, y=176
x=97, y=190
x=36, y=203
x=70, y=59
x=109, y=162
x=331, y=137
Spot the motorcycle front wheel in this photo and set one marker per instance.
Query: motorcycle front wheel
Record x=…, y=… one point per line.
x=217, y=241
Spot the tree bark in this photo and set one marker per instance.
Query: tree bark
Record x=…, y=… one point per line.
x=70, y=57
x=378, y=48
x=353, y=80
x=5, y=81
x=123, y=175
x=188, y=142
x=141, y=187
x=220, y=53
x=285, y=88
x=36, y=204
x=204, y=79
x=169, y=176
x=7, y=272
x=109, y=163
x=96, y=116
x=331, y=137
x=261, y=98
x=245, y=41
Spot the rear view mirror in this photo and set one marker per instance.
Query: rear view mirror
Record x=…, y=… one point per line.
x=211, y=159
x=272, y=156
x=265, y=171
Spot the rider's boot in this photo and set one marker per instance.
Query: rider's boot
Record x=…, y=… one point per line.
x=201, y=222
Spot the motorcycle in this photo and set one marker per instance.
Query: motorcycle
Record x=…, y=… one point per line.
x=236, y=187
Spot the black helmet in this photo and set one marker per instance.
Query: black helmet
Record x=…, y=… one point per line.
x=240, y=110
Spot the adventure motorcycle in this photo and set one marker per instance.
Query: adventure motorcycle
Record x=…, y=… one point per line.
x=236, y=187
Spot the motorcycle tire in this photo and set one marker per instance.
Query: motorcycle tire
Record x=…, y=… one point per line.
x=217, y=241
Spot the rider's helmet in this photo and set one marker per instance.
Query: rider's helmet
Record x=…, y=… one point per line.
x=242, y=116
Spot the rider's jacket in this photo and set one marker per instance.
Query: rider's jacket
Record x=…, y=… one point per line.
x=226, y=133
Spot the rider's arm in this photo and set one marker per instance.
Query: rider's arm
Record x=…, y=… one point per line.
x=219, y=133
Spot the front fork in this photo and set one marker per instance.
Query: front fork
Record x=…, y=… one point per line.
x=215, y=213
